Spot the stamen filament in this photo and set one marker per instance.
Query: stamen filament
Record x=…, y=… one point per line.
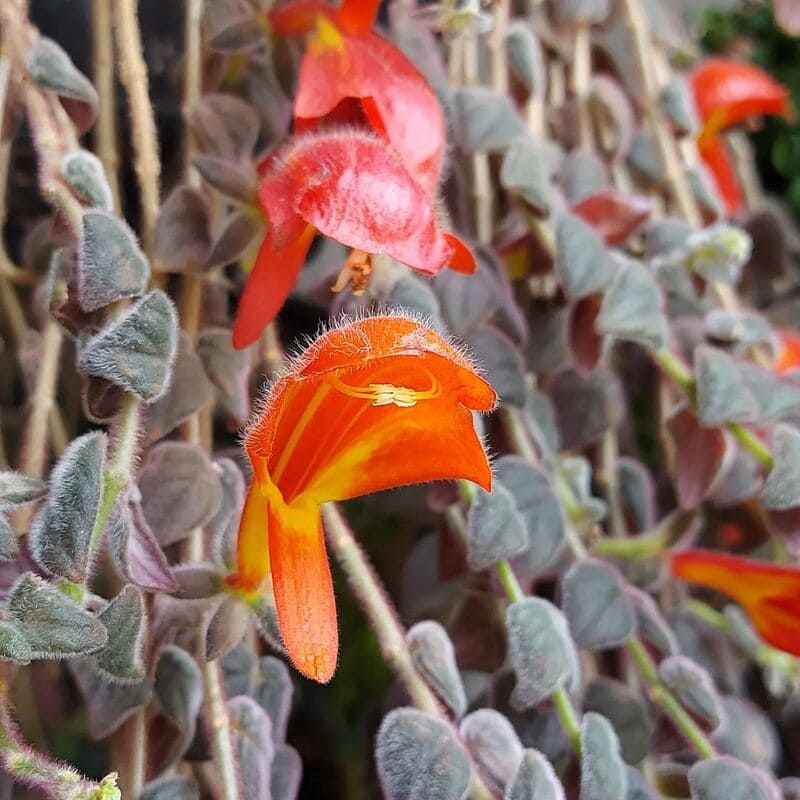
x=384, y=394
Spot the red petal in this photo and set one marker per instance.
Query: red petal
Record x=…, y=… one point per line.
x=462, y=259
x=614, y=215
x=273, y=275
x=789, y=356
x=398, y=101
x=354, y=188
x=715, y=156
x=301, y=579
x=728, y=92
x=357, y=16
x=298, y=16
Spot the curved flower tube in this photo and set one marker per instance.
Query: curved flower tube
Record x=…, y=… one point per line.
x=354, y=188
x=345, y=60
x=370, y=405
x=727, y=92
x=768, y=592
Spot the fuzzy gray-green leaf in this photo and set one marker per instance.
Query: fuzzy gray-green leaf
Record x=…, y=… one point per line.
x=53, y=625
x=273, y=693
x=495, y=528
x=252, y=744
x=137, y=350
x=434, y=656
x=17, y=489
x=583, y=265
x=782, y=489
x=726, y=778
x=541, y=651
x=603, y=772
x=124, y=617
x=722, y=395
x=51, y=67
x=111, y=265
x=494, y=746
x=85, y=174
x=535, y=779
x=693, y=687
x=595, y=604
x=419, y=758
x=61, y=533
x=632, y=308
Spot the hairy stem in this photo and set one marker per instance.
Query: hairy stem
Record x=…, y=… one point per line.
x=133, y=73
x=664, y=698
x=219, y=724
x=383, y=619
x=103, y=73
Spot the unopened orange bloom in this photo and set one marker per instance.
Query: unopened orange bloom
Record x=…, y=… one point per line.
x=370, y=405
x=768, y=592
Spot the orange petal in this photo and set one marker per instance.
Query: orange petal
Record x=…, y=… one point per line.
x=788, y=357
x=462, y=259
x=272, y=278
x=298, y=16
x=716, y=158
x=746, y=581
x=334, y=442
x=252, y=549
x=357, y=16
x=777, y=619
x=301, y=580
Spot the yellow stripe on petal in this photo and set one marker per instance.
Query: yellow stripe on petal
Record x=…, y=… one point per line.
x=252, y=547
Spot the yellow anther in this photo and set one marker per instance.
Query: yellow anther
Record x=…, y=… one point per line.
x=386, y=394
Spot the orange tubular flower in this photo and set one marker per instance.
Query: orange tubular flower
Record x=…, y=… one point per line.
x=347, y=61
x=370, y=405
x=727, y=92
x=349, y=186
x=769, y=593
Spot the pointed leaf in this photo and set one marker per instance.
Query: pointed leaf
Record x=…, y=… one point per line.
x=86, y=176
x=61, y=533
x=632, y=308
x=9, y=550
x=603, y=773
x=524, y=174
x=693, y=686
x=494, y=746
x=726, y=778
x=484, y=120
x=777, y=396
x=782, y=489
x=137, y=350
x=539, y=507
x=419, y=758
x=541, y=650
x=228, y=370
x=595, y=604
x=722, y=395
x=273, y=693
x=180, y=488
x=434, y=657
x=17, y=489
x=53, y=625
x=627, y=713
x=225, y=126
x=495, y=529
x=613, y=214
x=124, y=617
x=582, y=174
x=535, y=779
x=235, y=180
x=226, y=627
x=502, y=361
x=699, y=455
x=183, y=232
x=111, y=265
x=583, y=264
x=51, y=68
x=287, y=769
x=252, y=744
